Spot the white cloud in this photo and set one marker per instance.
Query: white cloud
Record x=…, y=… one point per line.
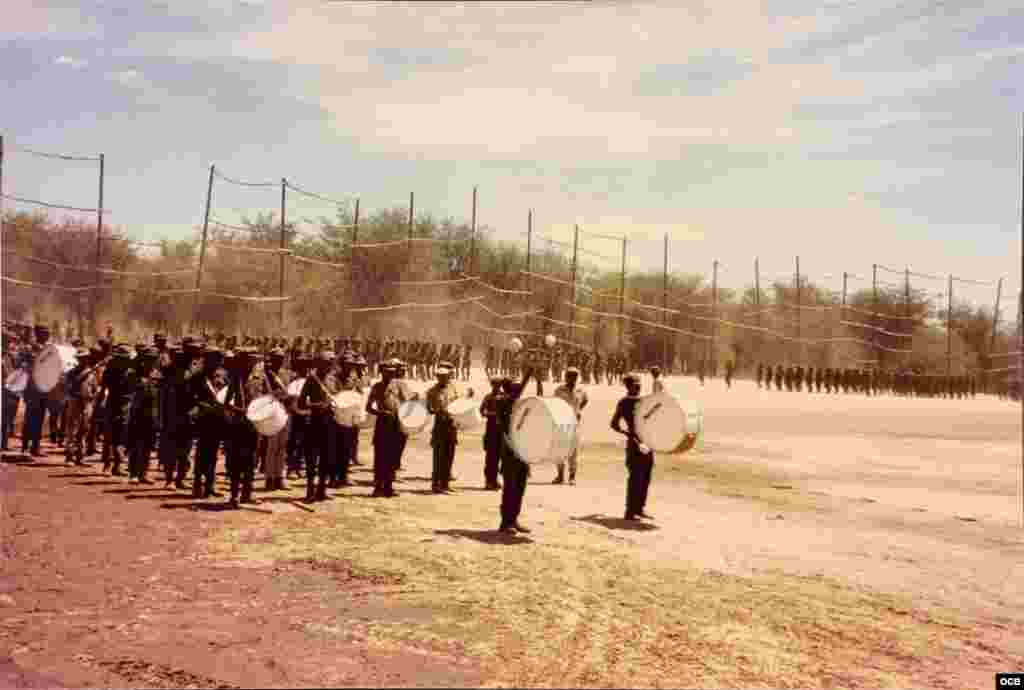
x=73, y=63
x=128, y=77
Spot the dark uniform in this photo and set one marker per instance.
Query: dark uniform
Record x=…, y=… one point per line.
x=209, y=425
x=492, y=437
x=144, y=415
x=444, y=437
x=388, y=440
x=119, y=383
x=515, y=471
x=640, y=465
x=242, y=437
x=319, y=433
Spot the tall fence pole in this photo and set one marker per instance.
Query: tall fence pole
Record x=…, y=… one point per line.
x=284, y=244
x=411, y=208
x=472, y=238
x=352, y=270
x=1, y=183
x=799, y=345
x=757, y=300
x=906, y=313
x=874, y=309
x=622, y=295
x=99, y=250
x=664, y=314
x=714, y=313
x=529, y=243
x=949, y=329
x=995, y=316
x=572, y=298
x=842, y=308
x=202, y=248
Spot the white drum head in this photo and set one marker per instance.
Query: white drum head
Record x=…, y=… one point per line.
x=543, y=430
x=662, y=422
x=413, y=416
x=222, y=395
x=295, y=387
x=260, y=409
x=466, y=413
x=16, y=381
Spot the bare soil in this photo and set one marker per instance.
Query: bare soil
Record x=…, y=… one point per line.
x=815, y=542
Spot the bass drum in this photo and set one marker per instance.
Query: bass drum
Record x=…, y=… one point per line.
x=16, y=381
x=51, y=364
x=663, y=421
x=543, y=430
x=413, y=417
x=465, y=413
x=267, y=415
x=349, y=408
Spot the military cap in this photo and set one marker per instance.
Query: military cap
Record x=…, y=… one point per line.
x=158, y=336
x=192, y=342
x=444, y=368
x=121, y=350
x=572, y=370
x=77, y=342
x=276, y=352
x=631, y=378
x=326, y=355
x=496, y=380
x=83, y=353
x=149, y=352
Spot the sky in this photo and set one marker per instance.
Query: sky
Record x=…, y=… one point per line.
x=847, y=133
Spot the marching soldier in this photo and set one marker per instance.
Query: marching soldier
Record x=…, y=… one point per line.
x=760, y=374
x=210, y=424
x=144, y=414
x=444, y=437
x=314, y=397
x=118, y=383
x=778, y=377
x=768, y=377
x=275, y=382
x=241, y=449
x=82, y=384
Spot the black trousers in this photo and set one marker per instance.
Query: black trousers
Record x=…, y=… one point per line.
x=207, y=445
x=173, y=453
x=347, y=444
x=515, y=472
x=320, y=449
x=55, y=408
x=10, y=414
x=297, y=444
x=492, y=454
x=142, y=443
x=640, y=468
x=241, y=459
x=387, y=448
x=32, y=427
x=444, y=458
x=113, y=440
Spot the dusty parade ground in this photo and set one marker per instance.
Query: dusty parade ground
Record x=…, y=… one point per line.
x=814, y=541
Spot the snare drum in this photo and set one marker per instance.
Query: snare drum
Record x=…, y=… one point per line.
x=465, y=413
x=543, y=430
x=349, y=408
x=51, y=364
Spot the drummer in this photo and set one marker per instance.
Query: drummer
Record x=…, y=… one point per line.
x=514, y=469
x=241, y=450
x=492, y=437
x=639, y=458
x=444, y=436
x=657, y=384
x=315, y=399
x=384, y=400
x=577, y=399
x=275, y=382
x=209, y=424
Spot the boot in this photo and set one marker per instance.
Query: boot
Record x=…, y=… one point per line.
x=269, y=484
x=282, y=484
x=247, y=492
x=233, y=501
x=321, y=490
x=310, y=491
x=572, y=478
x=560, y=479
x=197, y=488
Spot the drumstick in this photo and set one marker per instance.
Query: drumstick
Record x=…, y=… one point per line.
x=653, y=410
x=522, y=420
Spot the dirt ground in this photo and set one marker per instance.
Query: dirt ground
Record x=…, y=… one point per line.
x=815, y=541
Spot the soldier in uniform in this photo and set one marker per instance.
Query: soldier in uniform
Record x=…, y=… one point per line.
x=492, y=438
x=241, y=448
x=210, y=424
x=515, y=471
x=576, y=398
x=818, y=379
x=118, y=383
x=809, y=379
x=384, y=400
x=144, y=414
x=298, y=438
x=768, y=377
x=730, y=367
x=81, y=388
x=444, y=437
x=275, y=382
x=314, y=397
x=467, y=361
x=760, y=374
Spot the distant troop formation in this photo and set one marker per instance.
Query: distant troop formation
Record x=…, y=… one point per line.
x=865, y=381
x=593, y=367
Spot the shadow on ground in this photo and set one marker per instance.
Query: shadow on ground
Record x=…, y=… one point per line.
x=617, y=523
x=484, y=536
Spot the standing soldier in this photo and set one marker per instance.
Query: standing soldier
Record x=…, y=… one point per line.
x=444, y=437
x=730, y=366
x=577, y=399
x=81, y=391
x=492, y=438
x=700, y=371
x=818, y=379
x=467, y=361
x=144, y=414
x=210, y=421
x=809, y=379
x=275, y=382
x=241, y=449
x=513, y=468
x=798, y=379
x=384, y=400
x=657, y=384
x=768, y=376
x=118, y=383
x=298, y=438
x=760, y=374
x=314, y=397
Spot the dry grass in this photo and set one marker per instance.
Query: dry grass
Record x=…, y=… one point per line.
x=585, y=611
